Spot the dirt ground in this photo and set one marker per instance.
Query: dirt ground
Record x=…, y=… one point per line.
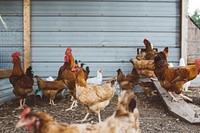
x=154, y=116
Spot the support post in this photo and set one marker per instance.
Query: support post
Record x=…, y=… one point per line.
x=184, y=29
x=27, y=33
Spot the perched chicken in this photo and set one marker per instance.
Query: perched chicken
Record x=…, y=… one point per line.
x=172, y=79
x=96, y=80
x=124, y=120
x=146, y=67
x=22, y=83
x=50, y=88
x=150, y=52
x=187, y=84
x=149, y=88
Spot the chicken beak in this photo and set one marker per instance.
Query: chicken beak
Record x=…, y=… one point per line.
x=20, y=123
x=25, y=122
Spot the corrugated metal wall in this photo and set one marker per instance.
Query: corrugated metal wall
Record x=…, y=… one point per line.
x=101, y=33
x=11, y=40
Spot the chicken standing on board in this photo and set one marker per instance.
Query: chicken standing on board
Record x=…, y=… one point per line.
x=96, y=80
x=50, y=88
x=150, y=52
x=187, y=84
x=172, y=79
x=124, y=120
x=22, y=82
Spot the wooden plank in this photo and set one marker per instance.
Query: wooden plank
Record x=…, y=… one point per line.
x=180, y=109
x=5, y=73
x=27, y=34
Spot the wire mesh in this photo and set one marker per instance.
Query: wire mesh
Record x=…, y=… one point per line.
x=11, y=31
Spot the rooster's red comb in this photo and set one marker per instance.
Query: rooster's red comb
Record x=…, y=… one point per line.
x=68, y=50
x=25, y=112
x=197, y=61
x=16, y=54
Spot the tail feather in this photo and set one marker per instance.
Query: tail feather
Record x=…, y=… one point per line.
x=87, y=70
x=29, y=72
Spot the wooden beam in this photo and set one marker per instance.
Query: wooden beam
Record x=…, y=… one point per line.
x=27, y=34
x=5, y=73
x=184, y=29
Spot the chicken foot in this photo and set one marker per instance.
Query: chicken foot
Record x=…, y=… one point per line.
x=173, y=98
x=51, y=102
x=86, y=116
x=74, y=104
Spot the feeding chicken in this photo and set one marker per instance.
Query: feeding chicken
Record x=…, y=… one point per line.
x=22, y=82
x=96, y=80
x=149, y=88
x=127, y=82
x=124, y=120
x=172, y=79
x=50, y=88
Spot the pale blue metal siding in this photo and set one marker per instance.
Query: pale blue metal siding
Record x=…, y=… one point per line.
x=11, y=39
x=101, y=33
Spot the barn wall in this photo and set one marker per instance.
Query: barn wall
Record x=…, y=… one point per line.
x=11, y=33
x=193, y=41
x=102, y=34
x=11, y=40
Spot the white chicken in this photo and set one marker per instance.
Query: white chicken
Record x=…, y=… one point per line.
x=96, y=80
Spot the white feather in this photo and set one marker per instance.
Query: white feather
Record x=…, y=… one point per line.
x=96, y=80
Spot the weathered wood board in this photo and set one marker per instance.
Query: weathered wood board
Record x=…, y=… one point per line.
x=183, y=110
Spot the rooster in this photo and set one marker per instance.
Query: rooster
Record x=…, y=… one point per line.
x=50, y=88
x=67, y=73
x=96, y=80
x=173, y=78
x=124, y=120
x=22, y=82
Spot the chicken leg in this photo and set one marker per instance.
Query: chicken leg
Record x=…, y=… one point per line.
x=99, y=116
x=20, y=104
x=173, y=98
x=74, y=104
x=86, y=116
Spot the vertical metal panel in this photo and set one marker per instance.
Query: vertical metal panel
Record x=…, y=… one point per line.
x=101, y=33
